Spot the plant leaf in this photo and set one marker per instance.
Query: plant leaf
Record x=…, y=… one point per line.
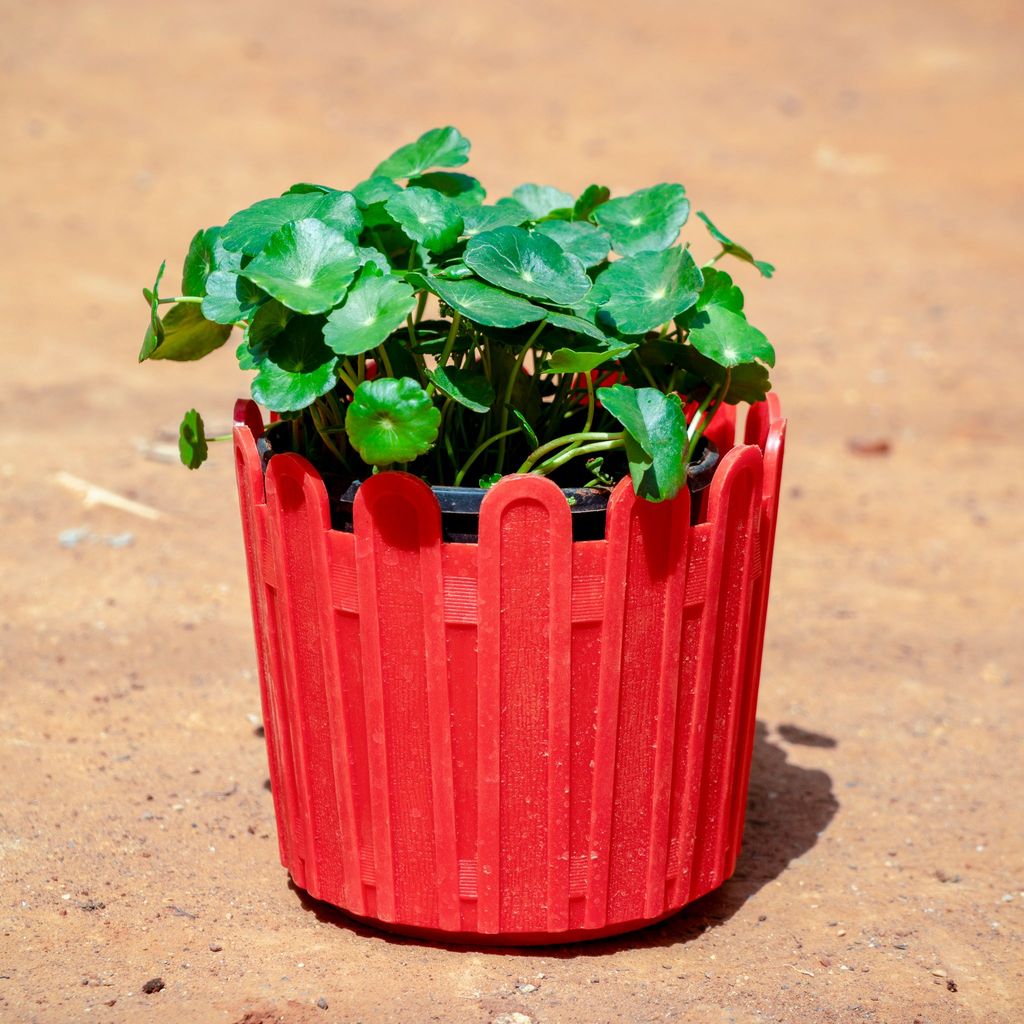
x=748, y=382
x=185, y=335
x=266, y=323
x=588, y=244
x=307, y=265
x=655, y=426
x=297, y=368
x=200, y=262
x=249, y=230
x=575, y=324
x=593, y=196
x=528, y=430
x=374, y=307
x=646, y=221
x=505, y=213
x=463, y=189
x=484, y=304
x=439, y=147
x=466, y=386
x=527, y=264
x=391, y=421
x=542, y=200
x=377, y=189
x=642, y=292
x=427, y=217
x=719, y=290
x=192, y=447
x=230, y=298
x=569, y=360
x=734, y=248
x=156, y=328
x=727, y=338
x=302, y=187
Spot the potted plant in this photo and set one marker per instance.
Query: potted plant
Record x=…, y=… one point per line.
x=508, y=565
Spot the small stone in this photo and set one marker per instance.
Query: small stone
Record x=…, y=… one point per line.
x=322, y=1003
x=512, y=1018
x=841, y=932
x=215, y=947
x=939, y=973
x=153, y=985
x=526, y=988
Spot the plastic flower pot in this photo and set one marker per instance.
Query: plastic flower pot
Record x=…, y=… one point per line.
x=527, y=739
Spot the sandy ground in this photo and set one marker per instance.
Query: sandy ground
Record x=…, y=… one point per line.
x=871, y=150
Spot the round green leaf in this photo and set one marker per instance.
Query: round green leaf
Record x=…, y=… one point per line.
x=466, y=386
x=199, y=263
x=727, y=338
x=374, y=307
x=485, y=304
x=642, y=292
x=391, y=421
x=249, y=230
x=719, y=290
x=230, y=298
x=463, y=189
x=575, y=324
x=504, y=213
x=646, y=221
x=593, y=196
x=656, y=438
x=427, y=217
x=301, y=187
x=297, y=368
x=588, y=244
x=734, y=248
x=748, y=382
x=184, y=335
x=568, y=360
x=527, y=264
x=266, y=324
x=192, y=445
x=439, y=147
x=307, y=265
x=377, y=189
x=542, y=200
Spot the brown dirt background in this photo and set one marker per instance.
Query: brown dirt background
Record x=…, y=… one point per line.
x=872, y=150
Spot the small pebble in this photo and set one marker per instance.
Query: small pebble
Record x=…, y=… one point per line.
x=153, y=985
x=121, y=540
x=939, y=972
x=215, y=947
x=322, y=1003
x=526, y=988
x=73, y=537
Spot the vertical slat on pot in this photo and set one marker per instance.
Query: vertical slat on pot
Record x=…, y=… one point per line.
x=525, y=580
x=734, y=503
x=297, y=503
x=636, y=709
x=459, y=564
x=608, y=694
x=249, y=475
x=773, y=444
x=721, y=431
x=670, y=579
x=401, y=606
x=589, y=559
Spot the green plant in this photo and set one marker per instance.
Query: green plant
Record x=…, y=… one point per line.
x=419, y=328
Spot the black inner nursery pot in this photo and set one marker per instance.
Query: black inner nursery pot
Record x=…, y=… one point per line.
x=460, y=506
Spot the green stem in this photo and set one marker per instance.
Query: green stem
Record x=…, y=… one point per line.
x=181, y=298
x=386, y=361
x=479, y=451
x=567, y=456
x=510, y=387
x=566, y=439
x=449, y=344
x=346, y=378
x=421, y=305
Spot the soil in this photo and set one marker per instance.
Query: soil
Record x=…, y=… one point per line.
x=871, y=150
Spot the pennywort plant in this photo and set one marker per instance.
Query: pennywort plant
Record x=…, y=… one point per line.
x=407, y=323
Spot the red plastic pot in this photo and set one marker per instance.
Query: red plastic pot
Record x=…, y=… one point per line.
x=519, y=741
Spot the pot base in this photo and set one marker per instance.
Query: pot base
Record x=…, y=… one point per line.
x=474, y=939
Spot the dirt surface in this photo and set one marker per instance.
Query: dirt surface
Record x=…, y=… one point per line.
x=871, y=150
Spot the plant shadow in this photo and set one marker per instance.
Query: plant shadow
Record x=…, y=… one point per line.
x=787, y=810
